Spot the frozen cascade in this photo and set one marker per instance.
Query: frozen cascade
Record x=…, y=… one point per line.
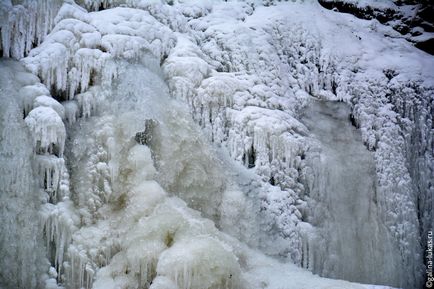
x=146, y=235
x=154, y=229
x=22, y=262
x=171, y=126
x=345, y=206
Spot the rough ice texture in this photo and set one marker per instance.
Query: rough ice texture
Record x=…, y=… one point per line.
x=78, y=49
x=22, y=252
x=293, y=53
x=47, y=130
x=25, y=24
x=240, y=76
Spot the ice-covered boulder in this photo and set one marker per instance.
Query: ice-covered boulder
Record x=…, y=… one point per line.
x=47, y=129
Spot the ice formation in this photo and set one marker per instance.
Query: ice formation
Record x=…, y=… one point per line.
x=25, y=24
x=350, y=197
x=21, y=266
x=207, y=144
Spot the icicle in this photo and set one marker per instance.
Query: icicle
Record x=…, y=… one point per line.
x=58, y=222
x=87, y=61
x=81, y=272
x=25, y=24
x=72, y=111
x=87, y=103
x=50, y=169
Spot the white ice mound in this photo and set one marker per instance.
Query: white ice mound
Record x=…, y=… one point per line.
x=202, y=263
x=47, y=129
x=127, y=32
x=48, y=101
x=164, y=244
x=163, y=283
x=140, y=160
x=29, y=93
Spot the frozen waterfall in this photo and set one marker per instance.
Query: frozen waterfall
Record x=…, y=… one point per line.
x=352, y=242
x=21, y=248
x=211, y=145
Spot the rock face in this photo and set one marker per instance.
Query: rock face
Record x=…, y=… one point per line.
x=145, y=137
x=413, y=19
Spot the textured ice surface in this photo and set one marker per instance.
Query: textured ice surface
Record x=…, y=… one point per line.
x=22, y=253
x=218, y=126
x=345, y=207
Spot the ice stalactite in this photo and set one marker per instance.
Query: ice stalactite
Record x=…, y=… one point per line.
x=50, y=170
x=58, y=228
x=87, y=103
x=72, y=111
x=95, y=5
x=25, y=25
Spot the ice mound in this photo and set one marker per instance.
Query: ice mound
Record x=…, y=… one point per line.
x=156, y=237
x=166, y=239
x=47, y=129
x=200, y=263
x=29, y=93
x=48, y=101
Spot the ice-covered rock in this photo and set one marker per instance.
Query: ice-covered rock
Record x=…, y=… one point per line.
x=47, y=129
x=47, y=101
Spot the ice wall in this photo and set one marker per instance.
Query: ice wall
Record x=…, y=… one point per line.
x=269, y=51
x=22, y=252
x=345, y=205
